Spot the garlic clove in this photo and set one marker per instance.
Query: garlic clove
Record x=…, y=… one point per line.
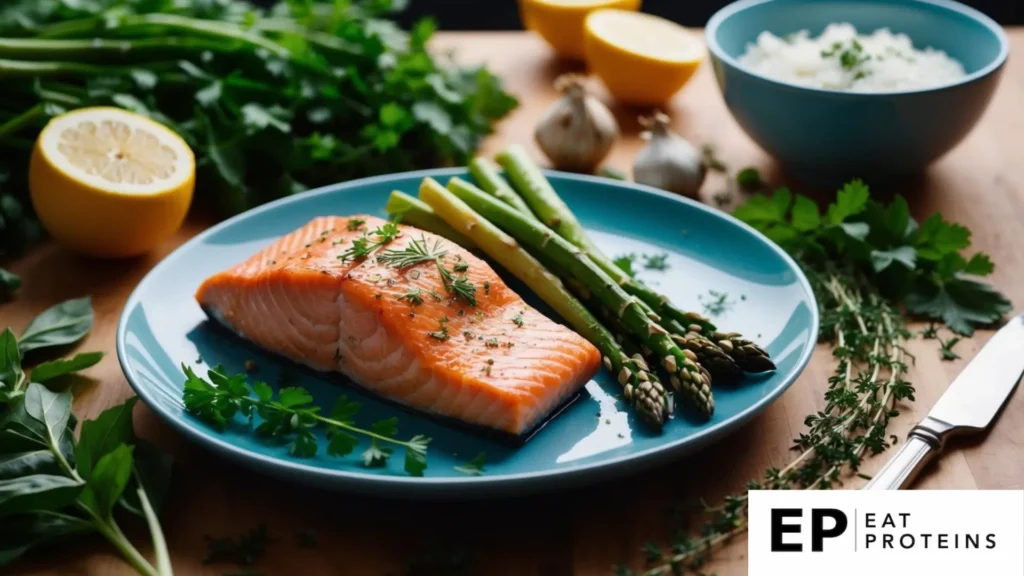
x=578, y=131
x=668, y=161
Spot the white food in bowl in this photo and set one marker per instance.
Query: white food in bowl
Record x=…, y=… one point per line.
x=842, y=59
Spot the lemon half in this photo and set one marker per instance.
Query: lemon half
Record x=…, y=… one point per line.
x=642, y=59
x=110, y=183
x=560, y=22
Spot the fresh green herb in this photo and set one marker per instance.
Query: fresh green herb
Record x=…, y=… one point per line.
x=922, y=266
x=491, y=343
x=947, y=349
x=355, y=224
x=864, y=260
x=625, y=263
x=832, y=51
x=273, y=102
x=363, y=247
x=460, y=267
x=417, y=252
x=487, y=287
x=518, y=319
x=459, y=286
x=291, y=416
x=716, y=304
x=244, y=551
x=467, y=334
x=414, y=296
x=931, y=332
x=749, y=179
x=437, y=298
x=54, y=487
x=657, y=262
x=474, y=467
x=441, y=334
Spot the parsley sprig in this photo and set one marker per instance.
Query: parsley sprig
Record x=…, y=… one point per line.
x=291, y=416
x=922, y=266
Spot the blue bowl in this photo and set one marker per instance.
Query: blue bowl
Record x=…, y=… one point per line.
x=829, y=135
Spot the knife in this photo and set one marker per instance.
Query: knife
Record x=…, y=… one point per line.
x=968, y=406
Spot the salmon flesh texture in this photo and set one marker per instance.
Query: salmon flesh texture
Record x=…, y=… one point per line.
x=498, y=364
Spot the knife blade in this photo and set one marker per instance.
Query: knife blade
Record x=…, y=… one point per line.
x=968, y=405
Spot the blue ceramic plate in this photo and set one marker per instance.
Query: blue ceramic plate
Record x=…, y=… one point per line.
x=595, y=438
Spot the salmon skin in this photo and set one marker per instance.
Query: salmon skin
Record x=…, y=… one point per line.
x=443, y=336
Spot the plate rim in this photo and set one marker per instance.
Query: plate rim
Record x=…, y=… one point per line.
x=523, y=481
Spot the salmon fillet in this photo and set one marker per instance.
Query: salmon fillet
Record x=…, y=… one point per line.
x=499, y=363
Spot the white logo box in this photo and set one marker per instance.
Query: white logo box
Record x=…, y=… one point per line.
x=926, y=532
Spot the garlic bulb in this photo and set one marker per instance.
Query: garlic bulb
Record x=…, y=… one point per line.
x=668, y=161
x=577, y=132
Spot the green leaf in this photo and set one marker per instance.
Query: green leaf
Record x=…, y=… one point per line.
x=294, y=396
x=474, y=467
x=257, y=117
x=856, y=230
x=304, y=445
x=152, y=472
x=144, y=79
x=805, y=216
x=979, y=265
x=131, y=103
x=345, y=411
x=55, y=368
x=209, y=95
x=433, y=115
x=263, y=391
x=749, y=179
x=11, y=374
x=51, y=409
x=62, y=324
x=392, y=115
x=936, y=238
x=108, y=481
x=9, y=282
x=342, y=443
x=376, y=455
x=961, y=303
x=387, y=427
x=415, y=462
x=37, y=492
x=850, y=201
x=21, y=532
x=18, y=464
x=99, y=437
x=625, y=263
x=762, y=209
x=882, y=259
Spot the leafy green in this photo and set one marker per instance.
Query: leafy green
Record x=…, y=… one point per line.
x=474, y=467
x=625, y=263
x=273, y=102
x=292, y=418
x=924, y=266
x=56, y=368
x=65, y=323
x=749, y=179
x=11, y=374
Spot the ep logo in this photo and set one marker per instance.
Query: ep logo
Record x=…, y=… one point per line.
x=825, y=523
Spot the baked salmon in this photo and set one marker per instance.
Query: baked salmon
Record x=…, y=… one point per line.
x=406, y=314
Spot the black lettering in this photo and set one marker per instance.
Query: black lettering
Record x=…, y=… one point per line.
x=818, y=532
x=973, y=540
x=904, y=515
x=779, y=528
x=925, y=537
x=869, y=520
x=888, y=522
x=886, y=540
x=943, y=541
x=991, y=539
x=903, y=541
x=868, y=540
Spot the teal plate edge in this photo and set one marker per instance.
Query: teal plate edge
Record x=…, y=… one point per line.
x=628, y=463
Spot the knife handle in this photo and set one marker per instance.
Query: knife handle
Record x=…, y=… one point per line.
x=915, y=454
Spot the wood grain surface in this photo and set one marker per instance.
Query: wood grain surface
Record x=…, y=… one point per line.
x=586, y=531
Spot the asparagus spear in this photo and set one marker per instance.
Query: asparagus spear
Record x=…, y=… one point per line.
x=641, y=387
x=686, y=376
x=404, y=208
x=545, y=202
x=487, y=177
